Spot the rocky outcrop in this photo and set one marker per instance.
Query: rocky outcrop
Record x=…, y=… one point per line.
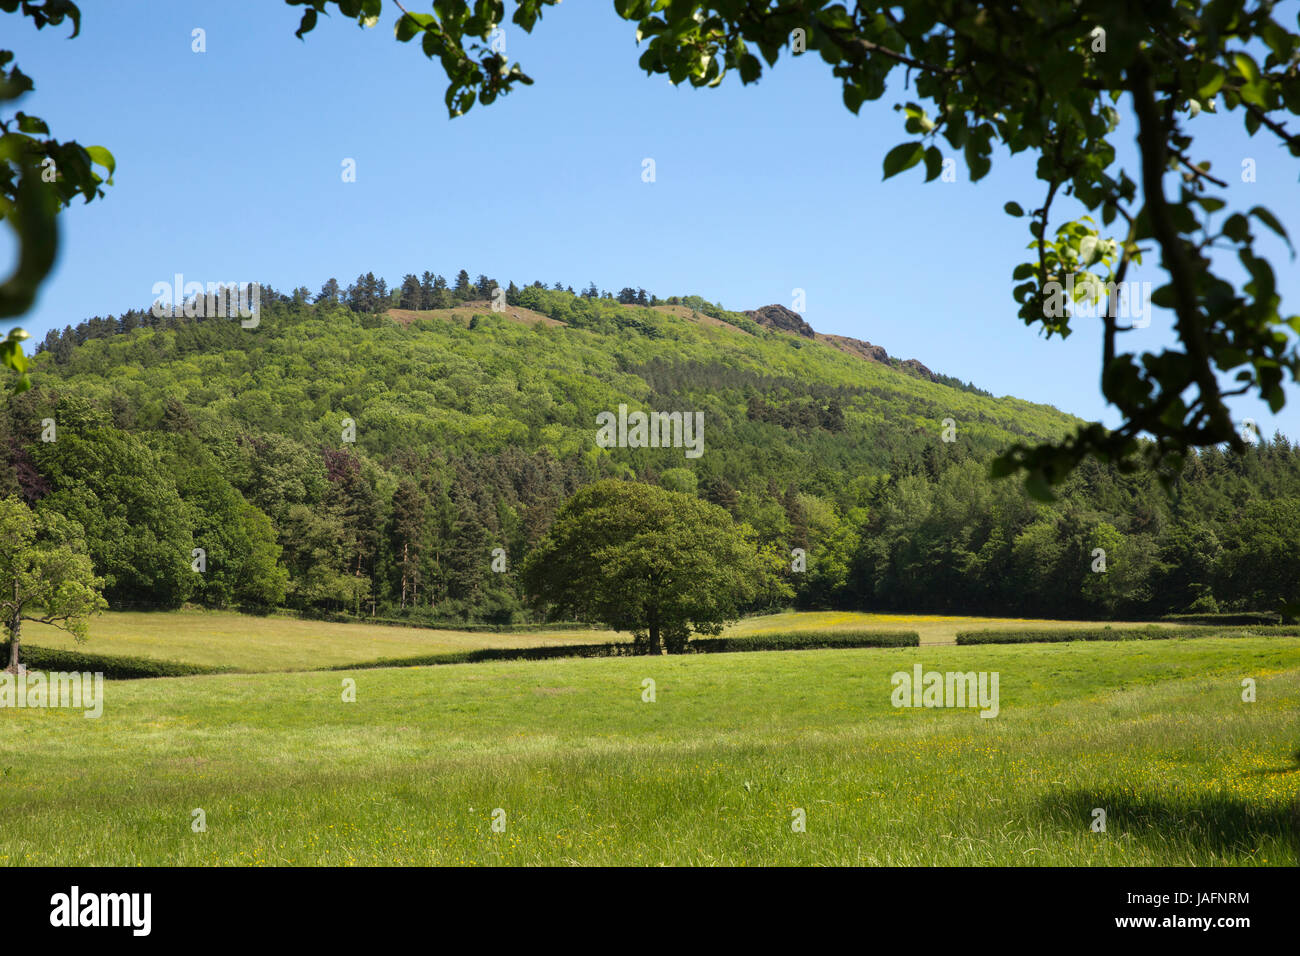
x=779, y=317
x=872, y=353
x=786, y=320
x=917, y=367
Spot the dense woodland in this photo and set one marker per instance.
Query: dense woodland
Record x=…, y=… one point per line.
x=333, y=460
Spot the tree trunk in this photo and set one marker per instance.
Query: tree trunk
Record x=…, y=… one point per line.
x=656, y=646
x=15, y=625
x=356, y=592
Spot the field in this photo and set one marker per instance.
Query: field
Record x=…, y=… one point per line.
x=711, y=772
x=932, y=628
x=279, y=643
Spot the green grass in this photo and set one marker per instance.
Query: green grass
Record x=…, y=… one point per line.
x=281, y=643
x=277, y=642
x=1154, y=732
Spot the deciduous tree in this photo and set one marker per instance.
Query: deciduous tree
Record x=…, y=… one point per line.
x=45, y=574
x=650, y=561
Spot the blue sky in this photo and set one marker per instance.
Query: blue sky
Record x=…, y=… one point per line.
x=229, y=166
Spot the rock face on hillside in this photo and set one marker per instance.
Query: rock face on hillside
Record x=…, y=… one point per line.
x=779, y=317
x=918, y=367
x=785, y=320
x=866, y=350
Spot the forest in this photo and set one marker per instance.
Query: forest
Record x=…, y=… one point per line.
x=337, y=461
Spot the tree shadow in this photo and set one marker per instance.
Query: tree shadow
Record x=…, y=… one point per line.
x=1207, y=822
x=1277, y=771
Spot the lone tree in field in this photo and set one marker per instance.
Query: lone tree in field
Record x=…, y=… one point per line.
x=45, y=576
x=656, y=563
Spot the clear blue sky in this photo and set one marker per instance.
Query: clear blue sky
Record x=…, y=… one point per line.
x=229, y=169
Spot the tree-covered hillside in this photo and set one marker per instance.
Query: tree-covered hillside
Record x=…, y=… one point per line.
x=365, y=453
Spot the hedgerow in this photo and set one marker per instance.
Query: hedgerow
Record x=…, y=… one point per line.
x=1152, y=633
x=113, y=668
x=787, y=641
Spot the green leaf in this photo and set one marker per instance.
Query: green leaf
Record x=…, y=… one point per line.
x=1252, y=91
x=1013, y=209
x=31, y=125
x=11, y=356
x=1038, y=487
x=1163, y=297
x=103, y=157
x=1268, y=219
x=1247, y=67
x=1002, y=466
x=903, y=157
x=33, y=217
x=853, y=96
x=308, y=23
x=1209, y=81
x=409, y=24
x=1237, y=228
x=933, y=163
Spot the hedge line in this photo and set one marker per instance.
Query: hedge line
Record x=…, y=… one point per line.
x=113, y=668
x=1247, y=617
x=1118, y=634
x=806, y=640
x=789, y=641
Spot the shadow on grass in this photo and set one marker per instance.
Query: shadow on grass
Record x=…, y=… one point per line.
x=1221, y=824
x=1277, y=771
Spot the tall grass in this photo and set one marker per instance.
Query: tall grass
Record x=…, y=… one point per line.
x=587, y=771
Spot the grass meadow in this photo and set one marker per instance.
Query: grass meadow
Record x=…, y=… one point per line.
x=713, y=771
x=283, y=643
x=278, y=642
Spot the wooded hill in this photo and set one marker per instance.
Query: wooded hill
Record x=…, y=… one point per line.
x=356, y=454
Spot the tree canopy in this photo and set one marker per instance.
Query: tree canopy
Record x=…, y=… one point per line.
x=653, y=562
x=468, y=440
x=45, y=574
